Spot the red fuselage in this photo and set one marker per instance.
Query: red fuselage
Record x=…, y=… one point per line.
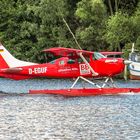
x=67, y=68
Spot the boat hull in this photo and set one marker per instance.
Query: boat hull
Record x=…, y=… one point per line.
x=134, y=69
x=87, y=92
x=134, y=77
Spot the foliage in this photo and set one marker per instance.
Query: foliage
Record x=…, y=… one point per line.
x=136, y=22
x=92, y=15
x=27, y=27
x=126, y=6
x=119, y=30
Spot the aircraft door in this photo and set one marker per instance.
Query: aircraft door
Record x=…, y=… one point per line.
x=73, y=65
x=83, y=68
x=63, y=68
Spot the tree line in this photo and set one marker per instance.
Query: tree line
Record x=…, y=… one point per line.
x=28, y=27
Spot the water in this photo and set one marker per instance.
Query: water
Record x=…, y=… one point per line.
x=51, y=117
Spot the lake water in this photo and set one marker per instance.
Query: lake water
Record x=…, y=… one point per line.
x=51, y=117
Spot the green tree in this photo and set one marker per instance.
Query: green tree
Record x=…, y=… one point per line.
x=18, y=28
x=119, y=30
x=27, y=27
x=91, y=15
x=30, y=26
x=136, y=22
x=127, y=6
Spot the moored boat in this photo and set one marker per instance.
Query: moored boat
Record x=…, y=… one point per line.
x=134, y=67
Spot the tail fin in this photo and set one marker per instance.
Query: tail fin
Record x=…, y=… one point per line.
x=9, y=61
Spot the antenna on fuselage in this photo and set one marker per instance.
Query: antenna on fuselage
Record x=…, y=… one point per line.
x=133, y=48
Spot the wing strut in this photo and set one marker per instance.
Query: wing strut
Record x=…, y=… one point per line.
x=85, y=79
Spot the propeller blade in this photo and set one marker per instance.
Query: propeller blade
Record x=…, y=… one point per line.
x=127, y=62
x=125, y=73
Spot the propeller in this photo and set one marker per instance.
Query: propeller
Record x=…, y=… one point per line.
x=125, y=74
x=127, y=62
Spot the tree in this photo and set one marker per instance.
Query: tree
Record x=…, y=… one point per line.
x=27, y=27
x=19, y=28
x=136, y=22
x=119, y=30
x=30, y=26
x=124, y=6
x=91, y=15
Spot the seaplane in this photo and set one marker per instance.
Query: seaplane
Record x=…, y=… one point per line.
x=71, y=63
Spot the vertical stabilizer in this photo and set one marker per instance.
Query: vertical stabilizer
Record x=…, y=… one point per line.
x=7, y=60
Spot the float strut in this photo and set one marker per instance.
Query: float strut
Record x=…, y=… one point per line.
x=112, y=82
x=84, y=80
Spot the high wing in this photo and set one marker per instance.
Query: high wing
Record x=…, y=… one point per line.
x=111, y=53
x=74, y=53
x=67, y=52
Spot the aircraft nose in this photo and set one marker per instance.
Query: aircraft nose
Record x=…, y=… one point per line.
x=127, y=62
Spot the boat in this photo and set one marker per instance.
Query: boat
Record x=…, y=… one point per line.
x=134, y=67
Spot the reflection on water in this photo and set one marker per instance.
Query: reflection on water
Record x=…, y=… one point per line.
x=48, y=117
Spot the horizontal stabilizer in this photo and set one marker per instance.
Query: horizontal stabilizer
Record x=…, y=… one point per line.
x=12, y=70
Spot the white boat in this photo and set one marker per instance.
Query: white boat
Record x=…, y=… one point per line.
x=134, y=67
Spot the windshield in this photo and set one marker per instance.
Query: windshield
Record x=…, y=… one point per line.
x=134, y=57
x=98, y=55
x=52, y=62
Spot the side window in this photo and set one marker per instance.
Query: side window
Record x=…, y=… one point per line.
x=81, y=61
x=71, y=61
x=137, y=58
x=98, y=56
x=52, y=62
x=61, y=62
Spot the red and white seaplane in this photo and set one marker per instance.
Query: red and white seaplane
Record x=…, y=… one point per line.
x=73, y=63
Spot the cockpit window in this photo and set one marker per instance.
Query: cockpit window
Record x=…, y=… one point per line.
x=98, y=55
x=71, y=61
x=52, y=62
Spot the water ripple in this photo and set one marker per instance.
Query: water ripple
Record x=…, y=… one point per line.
x=48, y=117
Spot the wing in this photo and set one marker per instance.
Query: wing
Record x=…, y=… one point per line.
x=61, y=51
x=68, y=52
x=111, y=53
